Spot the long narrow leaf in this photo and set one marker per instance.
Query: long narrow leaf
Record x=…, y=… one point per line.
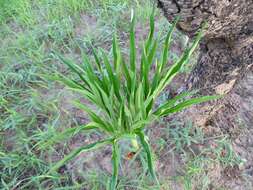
x=113, y=79
x=152, y=30
x=92, y=78
x=176, y=67
x=171, y=102
x=78, y=151
x=96, y=118
x=97, y=61
x=132, y=44
x=116, y=55
x=186, y=104
x=115, y=161
x=74, y=67
x=67, y=134
x=147, y=149
x=167, y=45
x=127, y=76
x=68, y=82
x=144, y=71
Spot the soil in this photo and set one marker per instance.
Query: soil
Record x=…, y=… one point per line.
x=238, y=128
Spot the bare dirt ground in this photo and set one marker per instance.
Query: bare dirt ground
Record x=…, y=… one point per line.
x=237, y=113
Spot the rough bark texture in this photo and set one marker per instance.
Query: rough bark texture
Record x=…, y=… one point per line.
x=225, y=66
x=226, y=52
x=228, y=42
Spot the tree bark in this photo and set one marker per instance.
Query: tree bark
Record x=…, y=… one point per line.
x=225, y=66
x=226, y=51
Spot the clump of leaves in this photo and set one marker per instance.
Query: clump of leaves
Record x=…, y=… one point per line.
x=125, y=94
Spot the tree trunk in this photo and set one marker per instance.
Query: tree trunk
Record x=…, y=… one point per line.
x=226, y=51
x=224, y=67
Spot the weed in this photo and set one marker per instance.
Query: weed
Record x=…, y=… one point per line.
x=28, y=30
x=225, y=154
x=125, y=97
x=31, y=107
x=183, y=137
x=19, y=10
x=199, y=170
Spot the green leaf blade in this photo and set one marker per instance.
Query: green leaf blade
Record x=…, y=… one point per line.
x=67, y=134
x=186, y=104
x=78, y=151
x=132, y=44
x=147, y=149
x=116, y=161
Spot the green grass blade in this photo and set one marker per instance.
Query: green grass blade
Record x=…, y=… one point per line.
x=148, y=53
x=139, y=101
x=100, y=88
x=87, y=95
x=78, y=151
x=144, y=71
x=93, y=78
x=128, y=116
x=146, y=63
x=104, y=80
x=96, y=96
x=176, y=67
x=107, y=101
x=66, y=81
x=107, y=127
x=186, y=104
x=187, y=54
x=74, y=67
x=97, y=61
x=113, y=79
x=147, y=149
x=125, y=118
x=132, y=44
x=171, y=102
x=139, y=125
x=116, y=55
x=156, y=78
x=131, y=100
x=197, y=39
x=115, y=161
x=152, y=30
x=164, y=58
x=152, y=52
x=167, y=45
x=67, y=134
x=127, y=76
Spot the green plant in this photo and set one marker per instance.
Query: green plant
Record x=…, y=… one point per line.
x=183, y=137
x=125, y=95
x=225, y=154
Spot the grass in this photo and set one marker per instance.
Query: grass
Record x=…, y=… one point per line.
x=33, y=108
x=126, y=96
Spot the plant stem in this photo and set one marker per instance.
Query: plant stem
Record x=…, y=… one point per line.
x=135, y=144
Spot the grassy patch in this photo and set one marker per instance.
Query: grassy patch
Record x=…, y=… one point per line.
x=33, y=108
